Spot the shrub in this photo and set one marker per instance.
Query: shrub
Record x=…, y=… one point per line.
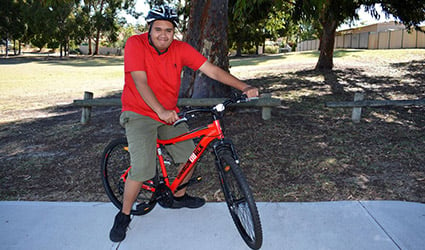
x=273, y=49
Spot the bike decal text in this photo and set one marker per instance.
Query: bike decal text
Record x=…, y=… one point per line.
x=192, y=158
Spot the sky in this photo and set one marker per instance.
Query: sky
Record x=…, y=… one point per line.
x=141, y=6
x=366, y=19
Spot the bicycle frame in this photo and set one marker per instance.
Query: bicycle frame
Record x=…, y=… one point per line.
x=207, y=134
x=160, y=189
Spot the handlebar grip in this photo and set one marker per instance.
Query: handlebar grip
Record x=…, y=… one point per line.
x=184, y=119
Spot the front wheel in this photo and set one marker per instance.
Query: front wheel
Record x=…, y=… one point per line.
x=240, y=200
x=114, y=169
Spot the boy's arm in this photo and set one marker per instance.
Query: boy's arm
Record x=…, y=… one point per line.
x=222, y=76
x=141, y=81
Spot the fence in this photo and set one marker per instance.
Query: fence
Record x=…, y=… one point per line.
x=84, y=49
x=393, y=39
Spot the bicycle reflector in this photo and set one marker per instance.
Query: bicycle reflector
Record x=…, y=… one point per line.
x=220, y=107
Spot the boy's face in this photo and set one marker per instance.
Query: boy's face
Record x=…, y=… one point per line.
x=162, y=34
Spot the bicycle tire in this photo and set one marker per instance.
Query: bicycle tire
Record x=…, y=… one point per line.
x=115, y=162
x=240, y=200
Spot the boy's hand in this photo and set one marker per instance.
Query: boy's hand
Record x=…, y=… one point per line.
x=251, y=91
x=168, y=116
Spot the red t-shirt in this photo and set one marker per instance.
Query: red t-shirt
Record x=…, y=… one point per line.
x=163, y=72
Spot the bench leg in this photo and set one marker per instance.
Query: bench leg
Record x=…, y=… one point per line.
x=266, y=113
x=357, y=112
x=86, y=111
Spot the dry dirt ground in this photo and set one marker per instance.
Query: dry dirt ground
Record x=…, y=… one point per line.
x=306, y=152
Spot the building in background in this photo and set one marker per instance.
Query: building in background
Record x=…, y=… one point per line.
x=385, y=35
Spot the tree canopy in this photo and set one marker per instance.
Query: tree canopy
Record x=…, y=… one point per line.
x=332, y=13
x=55, y=23
x=58, y=23
x=324, y=16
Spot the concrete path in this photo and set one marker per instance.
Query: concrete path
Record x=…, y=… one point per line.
x=338, y=225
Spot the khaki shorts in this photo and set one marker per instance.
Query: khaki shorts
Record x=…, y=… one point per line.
x=142, y=133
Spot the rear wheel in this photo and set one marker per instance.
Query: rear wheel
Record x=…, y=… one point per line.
x=240, y=201
x=114, y=168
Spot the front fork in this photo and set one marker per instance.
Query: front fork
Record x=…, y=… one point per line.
x=222, y=146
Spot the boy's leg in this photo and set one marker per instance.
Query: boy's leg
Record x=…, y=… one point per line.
x=141, y=135
x=131, y=190
x=180, y=152
x=182, y=191
x=141, y=132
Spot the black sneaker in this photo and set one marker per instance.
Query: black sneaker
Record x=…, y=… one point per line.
x=188, y=201
x=119, y=228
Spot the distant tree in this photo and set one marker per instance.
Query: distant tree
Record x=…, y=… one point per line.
x=324, y=16
x=309, y=29
x=83, y=28
x=60, y=23
x=62, y=16
x=101, y=19
x=12, y=26
x=40, y=22
x=252, y=22
x=105, y=12
x=247, y=24
x=331, y=13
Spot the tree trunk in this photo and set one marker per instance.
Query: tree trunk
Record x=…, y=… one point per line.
x=90, y=52
x=96, y=46
x=7, y=45
x=207, y=32
x=238, y=49
x=327, y=41
x=90, y=34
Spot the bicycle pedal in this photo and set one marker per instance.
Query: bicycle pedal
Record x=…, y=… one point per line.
x=194, y=180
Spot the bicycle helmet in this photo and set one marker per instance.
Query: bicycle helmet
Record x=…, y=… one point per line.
x=163, y=12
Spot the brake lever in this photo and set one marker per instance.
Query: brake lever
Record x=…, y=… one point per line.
x=248, y=99
x=184, y=119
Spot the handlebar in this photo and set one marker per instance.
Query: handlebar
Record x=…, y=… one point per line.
x=216, y=109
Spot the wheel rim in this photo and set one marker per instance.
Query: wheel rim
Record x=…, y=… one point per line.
x=244, y=215
x=115, y=166
x=238, y=205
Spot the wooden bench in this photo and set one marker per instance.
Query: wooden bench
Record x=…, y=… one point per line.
x=360, y=103
x=266, y=102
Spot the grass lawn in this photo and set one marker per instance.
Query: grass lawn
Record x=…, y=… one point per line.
x=28, y=84
x=386, y=56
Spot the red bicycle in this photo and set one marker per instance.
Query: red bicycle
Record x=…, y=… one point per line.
x=116, y=164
